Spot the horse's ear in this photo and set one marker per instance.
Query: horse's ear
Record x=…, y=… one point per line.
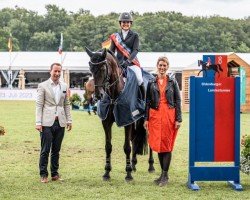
x=90, y=53
x=104, y=53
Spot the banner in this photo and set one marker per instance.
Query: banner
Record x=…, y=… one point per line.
x=27, y=94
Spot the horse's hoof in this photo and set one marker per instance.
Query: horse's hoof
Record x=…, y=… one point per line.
x=151, y=170
x=105, y=178
x=129, y=179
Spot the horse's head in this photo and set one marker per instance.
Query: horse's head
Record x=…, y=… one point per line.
x=99, y=68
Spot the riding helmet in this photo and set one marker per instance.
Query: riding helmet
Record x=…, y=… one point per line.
x=125, y=17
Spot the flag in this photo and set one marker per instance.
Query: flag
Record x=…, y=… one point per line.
x=106, y=44
x=60, y=48
x=10, y=43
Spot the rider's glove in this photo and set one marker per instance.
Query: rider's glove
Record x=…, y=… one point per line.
x=125, y=64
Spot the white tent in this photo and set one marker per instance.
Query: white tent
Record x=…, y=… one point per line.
x=78, y=61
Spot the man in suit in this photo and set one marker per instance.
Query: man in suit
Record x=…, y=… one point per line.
x=52, y=116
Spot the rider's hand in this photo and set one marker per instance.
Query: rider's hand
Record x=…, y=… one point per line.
x=125, y=64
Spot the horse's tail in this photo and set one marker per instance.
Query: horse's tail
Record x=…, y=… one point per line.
x=139, y=138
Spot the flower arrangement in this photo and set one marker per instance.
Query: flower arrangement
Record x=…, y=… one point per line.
x=245, y=154
x=75, y=101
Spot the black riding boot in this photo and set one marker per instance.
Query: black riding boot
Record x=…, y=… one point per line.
x=164, y=179
x=142, y=91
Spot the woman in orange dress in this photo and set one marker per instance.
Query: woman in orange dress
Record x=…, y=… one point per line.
x=163, y=116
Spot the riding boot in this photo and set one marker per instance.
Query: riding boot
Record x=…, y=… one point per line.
x=164, y=179
x=142, y=91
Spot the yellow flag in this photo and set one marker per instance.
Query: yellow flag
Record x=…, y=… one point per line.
x=10, y=43
x=106, y=44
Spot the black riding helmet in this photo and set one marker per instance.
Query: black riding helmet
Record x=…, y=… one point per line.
x=125, y=17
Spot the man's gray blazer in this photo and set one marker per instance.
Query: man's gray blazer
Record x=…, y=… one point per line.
x=46, y=105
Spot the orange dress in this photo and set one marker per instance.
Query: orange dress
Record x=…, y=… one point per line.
x=161, y=124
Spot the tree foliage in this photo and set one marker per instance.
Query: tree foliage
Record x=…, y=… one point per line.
x=159, y=31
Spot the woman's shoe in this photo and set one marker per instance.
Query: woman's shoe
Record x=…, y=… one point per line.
x=164, y=179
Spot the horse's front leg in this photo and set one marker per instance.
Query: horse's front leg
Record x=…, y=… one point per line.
x=107, y=125
x=151, y=161
x=127, y=150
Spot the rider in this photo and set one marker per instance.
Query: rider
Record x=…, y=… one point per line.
x=125, y=45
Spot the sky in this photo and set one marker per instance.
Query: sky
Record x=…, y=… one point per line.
x=235, y=9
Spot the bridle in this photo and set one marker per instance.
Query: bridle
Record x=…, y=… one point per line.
x=106, y=85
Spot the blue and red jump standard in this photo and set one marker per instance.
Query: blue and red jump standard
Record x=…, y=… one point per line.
x=214, y=129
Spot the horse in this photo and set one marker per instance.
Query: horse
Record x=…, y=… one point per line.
x=108, y=80
x=206, y=66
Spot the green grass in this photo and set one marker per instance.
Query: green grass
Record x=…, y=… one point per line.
x=82, y=163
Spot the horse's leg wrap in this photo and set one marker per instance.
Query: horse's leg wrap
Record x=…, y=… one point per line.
x=128, y=166
x=108, y=165
x=128, y=170
x=108, y=149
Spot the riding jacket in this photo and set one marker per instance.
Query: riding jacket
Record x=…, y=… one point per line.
x=172, y=95
x=132, y=42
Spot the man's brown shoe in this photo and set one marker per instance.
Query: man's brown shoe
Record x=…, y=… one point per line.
x=56, y=178
x=44, y=179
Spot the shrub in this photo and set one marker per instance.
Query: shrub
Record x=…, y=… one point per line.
x=75, y=99
x=245, y=154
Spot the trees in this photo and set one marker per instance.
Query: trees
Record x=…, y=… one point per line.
x=159, y=32
x=43, y=41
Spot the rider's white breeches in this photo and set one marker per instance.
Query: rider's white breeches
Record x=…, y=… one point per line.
x=138, y=73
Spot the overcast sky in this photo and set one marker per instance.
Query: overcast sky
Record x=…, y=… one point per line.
x=235, y=9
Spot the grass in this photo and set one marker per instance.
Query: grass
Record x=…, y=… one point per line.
x=82, y=163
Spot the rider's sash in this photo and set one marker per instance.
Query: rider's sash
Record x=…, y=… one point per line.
x=115, y=37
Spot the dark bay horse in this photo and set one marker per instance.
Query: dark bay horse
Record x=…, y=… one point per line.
x=108, y=80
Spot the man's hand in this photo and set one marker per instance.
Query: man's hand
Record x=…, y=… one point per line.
x=39, y=128
x=69, y=126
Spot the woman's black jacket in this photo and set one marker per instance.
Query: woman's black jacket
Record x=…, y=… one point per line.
x=172, y=95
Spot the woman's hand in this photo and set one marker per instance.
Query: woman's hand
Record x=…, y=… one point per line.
x=145, y=125
x=177, y=125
